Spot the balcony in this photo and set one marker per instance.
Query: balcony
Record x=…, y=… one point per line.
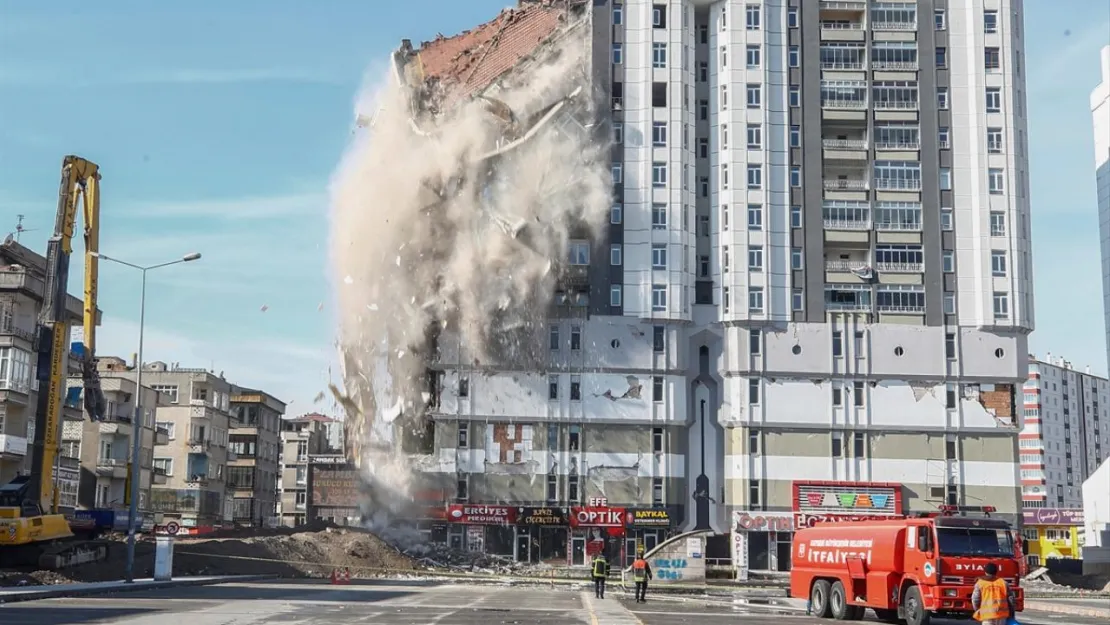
x=898, y=216
x=898, y=184
x=843, y=57
x=850, y=95
x=22, y=387
x=848, y=298
x=13, y=445
x=161, y=436
x=899, y=258
x=8, y=327
x=21, y=281
x=900, y=299
x=159, y=477
x=844, y=144
x=846, y=266
x=845, y=184
x=846, y=215
x=115, y=468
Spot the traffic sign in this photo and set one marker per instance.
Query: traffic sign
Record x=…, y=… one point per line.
x=171, y=528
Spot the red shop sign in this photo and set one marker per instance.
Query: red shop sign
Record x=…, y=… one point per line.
x=479, y=514
x=802, y=520
x=755, y=522
x=597, y=517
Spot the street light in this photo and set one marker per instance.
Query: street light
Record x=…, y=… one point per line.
x=137, y=423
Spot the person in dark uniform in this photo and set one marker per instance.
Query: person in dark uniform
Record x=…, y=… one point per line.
x=599, y=572
x=641, y=574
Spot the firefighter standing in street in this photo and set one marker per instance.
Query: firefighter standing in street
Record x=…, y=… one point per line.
x=599, y=573
x=992, y=598
x=641, y=573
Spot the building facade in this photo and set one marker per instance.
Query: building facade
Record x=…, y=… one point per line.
x=255, y=440
x=817, y=272
x=301, y=437
x=1100, y=116
x=104, y=448
x=22, y=280
x=1066, y=432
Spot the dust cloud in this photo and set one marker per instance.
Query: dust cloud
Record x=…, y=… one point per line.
x=449, y=230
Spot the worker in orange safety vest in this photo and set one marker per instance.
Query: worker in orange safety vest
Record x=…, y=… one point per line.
x=992, y=599
x=641, y=573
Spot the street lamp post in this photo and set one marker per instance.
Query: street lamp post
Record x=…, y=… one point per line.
x=137, y=422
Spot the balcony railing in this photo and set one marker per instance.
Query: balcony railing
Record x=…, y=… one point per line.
x=16, y=386
x=9, y=327
x=898, y=226
x=900, y=267
x=111, y=462
x=895, y=66
x=904, y=145
x=841, y=25
x=845, y=105
x=845, y=266
x=845, y=185
x=833, y=223
x=14, y=445
x=896, y=105
x=894, y=25
x=844, y=144
x=847, y=66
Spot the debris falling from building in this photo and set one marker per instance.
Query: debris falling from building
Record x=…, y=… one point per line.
x=475, y=164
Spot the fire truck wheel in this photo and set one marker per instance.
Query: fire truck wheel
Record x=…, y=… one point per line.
x=819, y=599
x=856, y=612
x=916, y=614
x=838, y=602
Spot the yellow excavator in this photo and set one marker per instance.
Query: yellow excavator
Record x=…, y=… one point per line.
x=32, y=531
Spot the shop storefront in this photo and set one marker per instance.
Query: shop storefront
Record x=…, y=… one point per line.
x=1052, y=533
x=647, y=527
x=761, y=539
x=596, y=528
x=541, y=535
x=482, y=528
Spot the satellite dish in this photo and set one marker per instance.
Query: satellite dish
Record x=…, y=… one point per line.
x=9, y=239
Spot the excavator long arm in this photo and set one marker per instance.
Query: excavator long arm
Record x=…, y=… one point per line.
x=80, y=178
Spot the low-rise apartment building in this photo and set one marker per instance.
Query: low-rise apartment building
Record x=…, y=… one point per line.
x=255, y=440
x=104, y=448
x=22, y=280
x=300, y=437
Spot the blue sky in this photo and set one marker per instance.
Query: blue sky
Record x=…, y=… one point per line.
x=218, y=125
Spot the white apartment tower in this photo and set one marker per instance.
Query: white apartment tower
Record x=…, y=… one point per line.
x=1066, y=432
x=817, y=270
x=1100, y=114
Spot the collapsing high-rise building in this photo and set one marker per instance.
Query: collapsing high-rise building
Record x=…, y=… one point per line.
x=810, y=301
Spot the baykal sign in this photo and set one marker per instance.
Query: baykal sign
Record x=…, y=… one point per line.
x=481, y=515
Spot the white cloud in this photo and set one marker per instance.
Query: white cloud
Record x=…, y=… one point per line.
x=293, y=372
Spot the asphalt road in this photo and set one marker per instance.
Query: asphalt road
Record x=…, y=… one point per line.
x=400, y=603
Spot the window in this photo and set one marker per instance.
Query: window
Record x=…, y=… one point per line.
x=998, y=263
x=659, y=216
x=659, y=16
x=659, y=55
x=753, y=495
x=703, y=71
x=792, y=17
x=755, y=258
x=572, y=487
x=797, y=300
x=755, y=136
x=949, y=303
x=576, y=337
x=553, y=337
x=616, y=214
x=753, y=391
x=992, y=59
x=659, y=94
x=461, y=490
x=755, y=96
x=615, y=293
x=656, y=388
x=837, y=344
x=795, y=176
x=575, y=388
x=751, y=13
x=942, y=58
x=946, y=219
x=998, y=224
x=795, y=95
x=464, y=439
x=552, y=488
x=942, y=98
x=939, y=19
x=859, y=394
x=859, y=445
x=755, y=217
x=657, y=491
x=703, y=110
x=658, y=339
x=836, y=395
x=794, y=56
x=837, y=449
x=724, y=56
x=657, y=440
x=948, y=261
x=950, y=346
x=994, y=100
x=755, y=341
x=994, y=140
x=703, y=34
x=796, y=258
x=659, y=257
x=755, y=299
x=658, y=174
x=724, y=176
x=579, y=252
x=464, y=386
x=703, y=147
x=724, y=136
x=724, y=217
x=755, y=176
x=659, y=133
x=726, y=298
x=795, y=216
x=1001, y=305
x=618, y=54
x=945, y=178
x=996, y=181
x=618, y=133
x=658, y=297
x=943, y=135
x=703, y=186
x=795, y=136
x=618, y=173
x=615, y=255
x=725, y=264
x=990, y=21
x=753, y=57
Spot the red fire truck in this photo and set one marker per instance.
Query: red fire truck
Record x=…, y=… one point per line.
x=905, y=568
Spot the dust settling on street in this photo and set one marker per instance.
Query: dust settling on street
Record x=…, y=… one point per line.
x=477, y=159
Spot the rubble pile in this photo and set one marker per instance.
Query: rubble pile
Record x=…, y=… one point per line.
x=1042, y=581
x=444, y=558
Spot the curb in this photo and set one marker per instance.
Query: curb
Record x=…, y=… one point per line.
x=1072, y=610
x=97, y=589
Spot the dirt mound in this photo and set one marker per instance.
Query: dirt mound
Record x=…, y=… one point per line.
x=291, y=553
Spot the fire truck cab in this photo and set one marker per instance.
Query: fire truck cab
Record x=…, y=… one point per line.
x=911, y=569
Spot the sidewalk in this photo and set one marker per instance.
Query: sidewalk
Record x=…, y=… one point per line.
x=1095, y=608
x=12, y=594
